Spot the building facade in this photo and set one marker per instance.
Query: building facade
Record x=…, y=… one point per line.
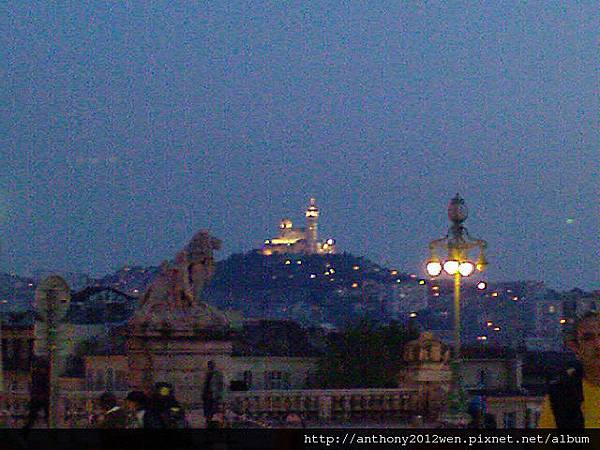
x=300, y=240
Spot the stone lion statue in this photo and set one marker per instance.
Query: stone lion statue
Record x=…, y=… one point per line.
x=174, y=299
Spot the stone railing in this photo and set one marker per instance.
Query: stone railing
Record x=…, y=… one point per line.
x=318, y=406
x=328, y=405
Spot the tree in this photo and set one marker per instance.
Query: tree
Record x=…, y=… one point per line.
x=365, y=354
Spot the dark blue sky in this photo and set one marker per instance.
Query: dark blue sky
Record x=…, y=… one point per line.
x=127, y=126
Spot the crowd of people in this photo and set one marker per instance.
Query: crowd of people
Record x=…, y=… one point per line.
x=159, y=410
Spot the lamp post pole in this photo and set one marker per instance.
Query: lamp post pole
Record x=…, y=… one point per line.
x=456, y=245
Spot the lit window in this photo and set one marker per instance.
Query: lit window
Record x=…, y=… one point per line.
x=299, y=262
x=494, y=294
x=287, y=262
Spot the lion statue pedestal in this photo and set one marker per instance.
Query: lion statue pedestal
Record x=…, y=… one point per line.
x=173, y=333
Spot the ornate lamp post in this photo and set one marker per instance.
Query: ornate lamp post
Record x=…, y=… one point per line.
x=456, y=246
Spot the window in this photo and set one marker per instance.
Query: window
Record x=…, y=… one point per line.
x=276, y=380
x=110, y=379
x=99, y=381
x=89, y=382
x=121, y=380
x=510, y=420
x=483, y=379
x=248, y=379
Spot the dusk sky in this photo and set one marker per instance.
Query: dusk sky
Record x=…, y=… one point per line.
x=127, y=126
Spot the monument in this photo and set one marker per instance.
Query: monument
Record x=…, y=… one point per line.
x=174, y=333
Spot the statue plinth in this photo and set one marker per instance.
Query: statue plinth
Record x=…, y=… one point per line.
x=173, y=333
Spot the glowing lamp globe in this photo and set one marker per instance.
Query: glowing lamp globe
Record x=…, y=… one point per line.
x=451, y=267
x=466, y=268
x=434, y=268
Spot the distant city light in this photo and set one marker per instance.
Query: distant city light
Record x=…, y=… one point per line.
x=394, y=272
x=412, y=275
x=496, y=328
x=494, y=294
x=354, y=285
x=481, y=285
x=515, y=298
x=570, y=220
x=298, y=262
x=355, y=267
x=312, y=275
x=482, y=338
x=489, y=323
x=563, y=321
x=435, y=288
x=398, y=280
x=413, y=314
x=332, y=270
x=421, y=282
x=287, y=262
x=436, y=294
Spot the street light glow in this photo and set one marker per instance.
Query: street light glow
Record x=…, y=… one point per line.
x=434, y=268
x=451, y=267
x=466, y=268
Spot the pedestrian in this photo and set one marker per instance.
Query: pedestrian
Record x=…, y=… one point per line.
x=574, y=396
x=164, y=411
x=212, y=393
x=112, y=415
x=39, y=391
x=135, y=406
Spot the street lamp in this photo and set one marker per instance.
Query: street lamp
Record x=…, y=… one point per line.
x=456, y=246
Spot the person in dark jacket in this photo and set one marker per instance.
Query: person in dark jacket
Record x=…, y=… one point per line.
x=573, y=398
x=135, y=405
x=39, y=391
x=212, y=393
x=164, y=411
x=113, y=416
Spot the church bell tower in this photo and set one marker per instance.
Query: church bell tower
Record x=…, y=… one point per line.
x=312, y=219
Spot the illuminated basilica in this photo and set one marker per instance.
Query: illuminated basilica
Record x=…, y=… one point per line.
x=300, y=240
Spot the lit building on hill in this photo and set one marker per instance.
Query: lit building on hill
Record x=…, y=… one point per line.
x=300, y=240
